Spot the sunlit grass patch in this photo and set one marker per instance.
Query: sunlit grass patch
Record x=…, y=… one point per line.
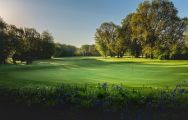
x=133, y=72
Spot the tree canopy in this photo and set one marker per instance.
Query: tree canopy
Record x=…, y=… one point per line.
x=24, y=44
x=154, y=30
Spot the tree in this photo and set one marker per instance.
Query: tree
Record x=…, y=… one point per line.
x=93, y=50
x=19, y=44
x=87, y=50
x=33, y=38
x=124, y=37
x=5, y=43
x=185, y=22
x=121, y=42
x=47, y=45
x=63, y=50
x=101, y=44
x=170, y=37
x=58, y=51
x=184, y=54
x=157, y=23
x=24, y=44
x=142, y=27
x=105, y=37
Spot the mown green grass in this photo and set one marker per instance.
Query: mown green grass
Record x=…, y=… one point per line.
x=130, y=72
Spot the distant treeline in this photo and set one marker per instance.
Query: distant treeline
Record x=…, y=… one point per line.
x=154, y=30
x=27, y=44
x=63, y=50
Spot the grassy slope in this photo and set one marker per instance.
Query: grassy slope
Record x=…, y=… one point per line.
x=77, y=70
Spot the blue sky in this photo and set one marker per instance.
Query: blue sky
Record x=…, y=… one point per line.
x=71, y=21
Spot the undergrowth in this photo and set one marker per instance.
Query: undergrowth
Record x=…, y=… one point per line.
x=104, y=96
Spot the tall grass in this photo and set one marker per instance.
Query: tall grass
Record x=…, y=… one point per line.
x=104, y=96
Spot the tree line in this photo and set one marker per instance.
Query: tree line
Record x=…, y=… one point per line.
x=27, y=44
x=24, y=44
x=154, y=30
x=63, y=50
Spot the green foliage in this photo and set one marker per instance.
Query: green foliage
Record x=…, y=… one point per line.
x=101, y=45
x=154, y=30
x=62, y=50
x=87, y=50
x=160, y=27
x=105, y=37
x=47, y=47
x=5, y=43
x=24, y=44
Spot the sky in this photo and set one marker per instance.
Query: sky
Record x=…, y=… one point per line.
x=71, y=22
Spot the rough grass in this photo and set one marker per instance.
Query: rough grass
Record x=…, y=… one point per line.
x=103, y=96
x=115, y=102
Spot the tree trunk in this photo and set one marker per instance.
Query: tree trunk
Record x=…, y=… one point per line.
x=14, y=61
x=146, y=56
x=121, y=55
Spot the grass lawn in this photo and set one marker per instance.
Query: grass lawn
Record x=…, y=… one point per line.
x=130, y=72
x=24, y=87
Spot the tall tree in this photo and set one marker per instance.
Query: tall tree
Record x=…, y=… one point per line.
x=101, y=44
x=24, y=44
x=47, y=45
x=185, y=22
x=32, y=36
x=125, y=39
x=105, y=38
x=5, y=43
x=19, y=44
x=154, y=22
x=142, y=27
